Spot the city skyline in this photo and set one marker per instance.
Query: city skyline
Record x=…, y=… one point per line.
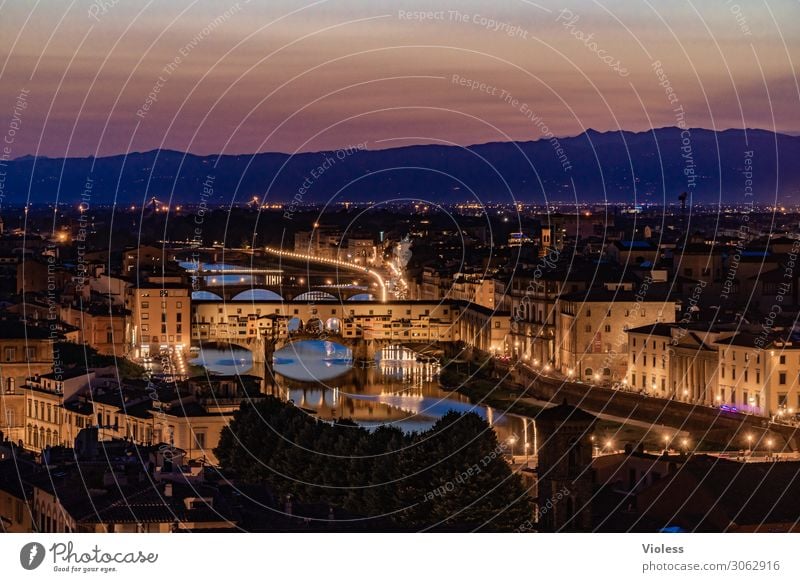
x=396, y=267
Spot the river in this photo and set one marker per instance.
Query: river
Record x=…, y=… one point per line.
x=398, y=391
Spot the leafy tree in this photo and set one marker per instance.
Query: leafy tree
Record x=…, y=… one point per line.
x=451, y=477
x=84, y=355
x=464, y=483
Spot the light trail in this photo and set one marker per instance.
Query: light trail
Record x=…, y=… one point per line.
x=333, y=262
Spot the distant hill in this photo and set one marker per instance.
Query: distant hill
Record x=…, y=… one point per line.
x=616, y=166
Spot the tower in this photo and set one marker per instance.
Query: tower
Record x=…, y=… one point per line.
x=564, y=468
x=545, y=241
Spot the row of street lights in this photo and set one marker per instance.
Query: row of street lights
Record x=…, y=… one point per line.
x=326, y=261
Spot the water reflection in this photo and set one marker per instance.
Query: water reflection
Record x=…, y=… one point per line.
x=228, y=360
x=312, y=361
x=398, y=392
x=219, y=278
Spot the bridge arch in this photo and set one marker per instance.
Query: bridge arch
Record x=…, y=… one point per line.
x=362, y=297
x=257, y=295
x=316, y=296
x=334, y=324
x=205, y=296
x=295, y=324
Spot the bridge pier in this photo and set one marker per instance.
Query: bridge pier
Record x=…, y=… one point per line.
x=361, y=351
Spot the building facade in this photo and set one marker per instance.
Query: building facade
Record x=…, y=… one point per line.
x=592, y=327
x=160, y=316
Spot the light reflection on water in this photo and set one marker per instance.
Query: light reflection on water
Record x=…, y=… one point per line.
x=224, y=360
x=319, y=377
x=313, y=361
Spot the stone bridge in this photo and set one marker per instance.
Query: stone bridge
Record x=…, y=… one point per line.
x=366, y=327
x=363, y=350
x=262, y=292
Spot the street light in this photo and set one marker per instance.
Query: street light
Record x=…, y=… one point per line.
x=750, y=444
x=511, y=441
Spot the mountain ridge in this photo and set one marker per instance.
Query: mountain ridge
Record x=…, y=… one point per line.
x=598, y=169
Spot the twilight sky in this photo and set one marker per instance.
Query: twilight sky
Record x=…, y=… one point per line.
x=275, y=75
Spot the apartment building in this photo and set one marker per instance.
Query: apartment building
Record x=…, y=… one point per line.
x=160, y=317
x=100, y=326
x=24, y=351
x=190, y=419
x=648, y=359
x=474, y=290
x=739, y=370
x=758, y=376
x=144, y=258
x=592, y=325
x=533, y=298
x=360, y=250
x=46, y=421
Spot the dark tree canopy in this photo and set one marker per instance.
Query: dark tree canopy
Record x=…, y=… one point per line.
x=451, y=478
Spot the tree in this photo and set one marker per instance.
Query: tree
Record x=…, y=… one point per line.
x=462, y=481
x=451, y=477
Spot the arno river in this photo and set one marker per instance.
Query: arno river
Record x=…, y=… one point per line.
x=398, y=391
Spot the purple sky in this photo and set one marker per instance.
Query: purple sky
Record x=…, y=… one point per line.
x=290, y=76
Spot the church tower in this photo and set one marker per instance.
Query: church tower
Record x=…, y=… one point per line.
x=564, y=468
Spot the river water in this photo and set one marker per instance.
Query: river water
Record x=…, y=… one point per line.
x=398, y=391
